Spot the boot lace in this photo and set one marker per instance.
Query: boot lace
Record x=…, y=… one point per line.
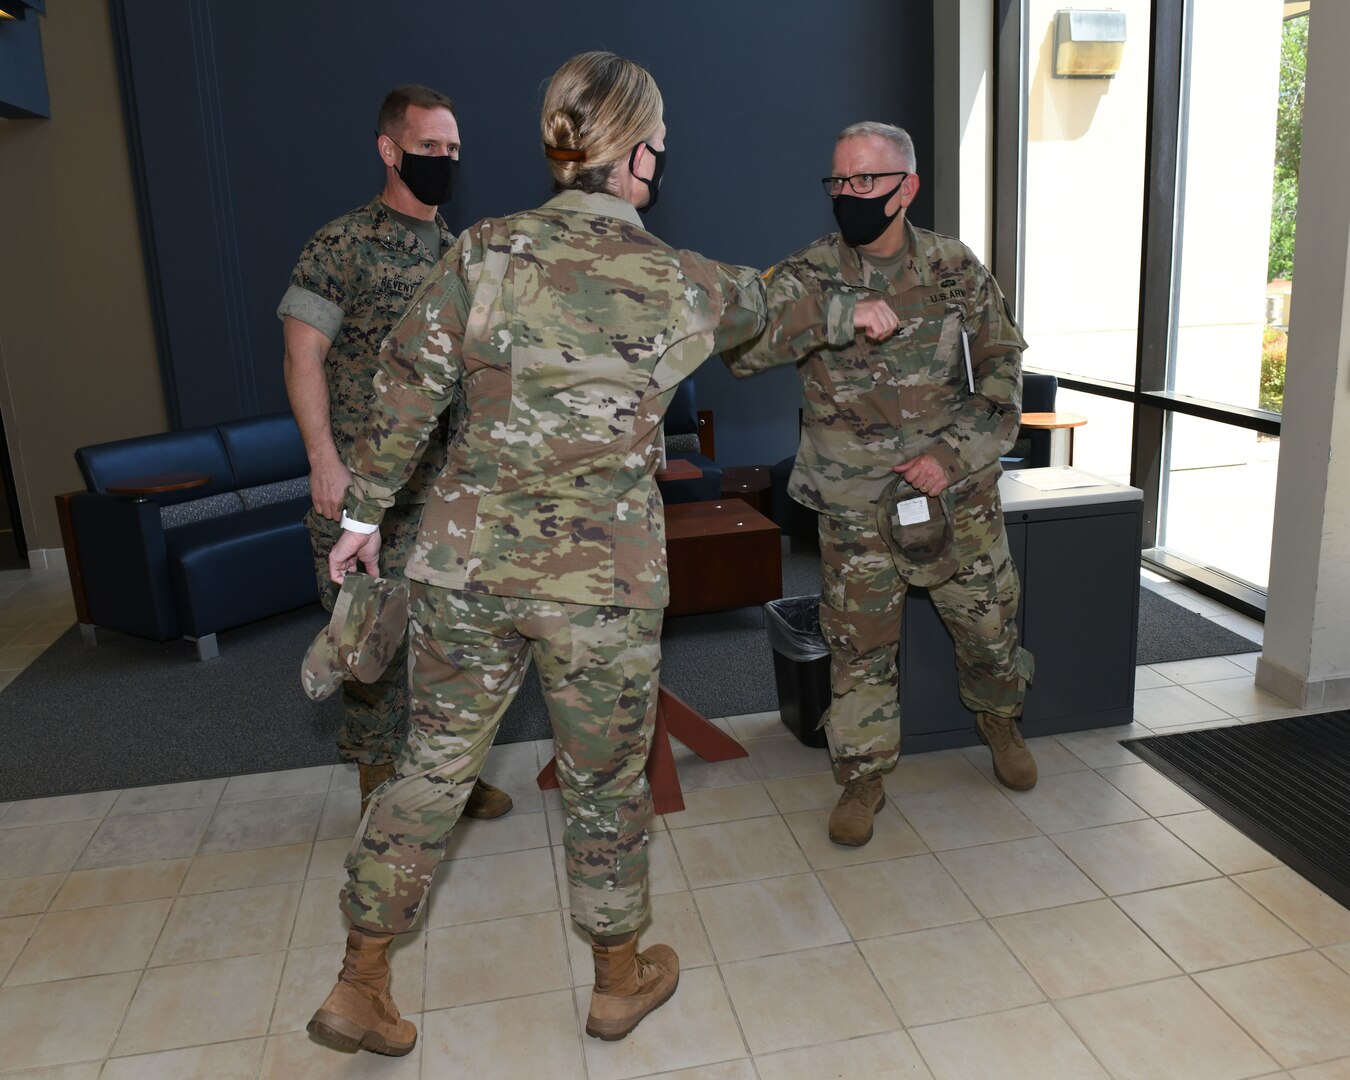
x=1002, y=733
x=646, y=971
x=859, y=791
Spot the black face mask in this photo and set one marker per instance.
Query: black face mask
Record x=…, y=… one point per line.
x=863, y=220
x=659, y=166
x=430, y=179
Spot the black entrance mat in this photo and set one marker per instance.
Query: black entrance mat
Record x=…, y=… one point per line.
x=1284, y=783
x=1168, y=631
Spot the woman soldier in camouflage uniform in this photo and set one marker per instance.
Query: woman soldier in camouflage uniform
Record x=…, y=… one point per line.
x=559, y=336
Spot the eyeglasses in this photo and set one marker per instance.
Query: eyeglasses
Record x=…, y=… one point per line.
x=861, y=183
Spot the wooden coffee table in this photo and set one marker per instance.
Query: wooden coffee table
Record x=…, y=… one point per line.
x=721, y=555
x=673, y=718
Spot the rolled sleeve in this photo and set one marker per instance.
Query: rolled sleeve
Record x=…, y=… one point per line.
x=804, y=314
x=311, y=309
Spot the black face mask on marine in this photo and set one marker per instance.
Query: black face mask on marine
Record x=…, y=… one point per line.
x=659, y=167
x=862, y=220
x=430, y=179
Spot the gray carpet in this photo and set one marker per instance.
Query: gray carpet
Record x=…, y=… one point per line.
x=133, y=712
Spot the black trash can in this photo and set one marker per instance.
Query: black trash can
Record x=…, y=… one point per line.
x=801, y=665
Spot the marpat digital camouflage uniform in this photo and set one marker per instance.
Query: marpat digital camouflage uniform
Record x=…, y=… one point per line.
x=870, y=406
x=562, y=333
x=353, y=280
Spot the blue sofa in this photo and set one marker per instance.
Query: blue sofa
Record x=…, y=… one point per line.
x=190, y=563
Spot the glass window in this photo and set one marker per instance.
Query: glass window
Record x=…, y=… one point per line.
x=1102, y=445
x=1241, y=137
x=1218, y=497
x=1085, y=143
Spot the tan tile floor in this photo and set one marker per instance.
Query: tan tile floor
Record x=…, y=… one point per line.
x=1102, y=925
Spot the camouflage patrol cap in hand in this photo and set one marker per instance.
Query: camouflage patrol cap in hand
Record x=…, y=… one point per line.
x=369, y=620
x=924, y=551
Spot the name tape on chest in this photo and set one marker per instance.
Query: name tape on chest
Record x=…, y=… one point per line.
x=955, y=292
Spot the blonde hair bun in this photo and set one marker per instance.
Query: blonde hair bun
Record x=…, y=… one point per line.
x=597, y=107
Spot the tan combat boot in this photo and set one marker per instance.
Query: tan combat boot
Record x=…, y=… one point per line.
x=486, y=802
x=628, y=984
x=1013, y=764
x=851, y=819
x=358, y=1013
x=372, y=776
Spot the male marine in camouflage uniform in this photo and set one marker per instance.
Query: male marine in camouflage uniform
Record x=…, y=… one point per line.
x=906, y=406
x=353, y=280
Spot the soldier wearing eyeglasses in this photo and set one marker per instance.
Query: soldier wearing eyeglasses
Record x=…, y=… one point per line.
x=909, y=428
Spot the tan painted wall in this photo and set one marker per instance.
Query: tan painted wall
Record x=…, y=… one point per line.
x=77, y=351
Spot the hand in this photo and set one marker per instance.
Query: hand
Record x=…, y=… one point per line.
x=351, y=548
x=923, y=473
x=875, y=318
x=328, y=486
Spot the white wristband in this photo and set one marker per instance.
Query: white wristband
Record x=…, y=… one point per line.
x=352, y=525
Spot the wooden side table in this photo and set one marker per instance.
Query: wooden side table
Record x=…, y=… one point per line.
x=678, y=469
x=159, y=484
x=751, y=483
x=1061, y=426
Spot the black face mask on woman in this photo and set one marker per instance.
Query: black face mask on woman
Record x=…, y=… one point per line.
x=658, y=167
x=430, y=179
x=862, y=220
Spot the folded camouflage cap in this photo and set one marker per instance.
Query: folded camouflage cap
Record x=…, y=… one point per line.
x=370, y=617
x=918, y=530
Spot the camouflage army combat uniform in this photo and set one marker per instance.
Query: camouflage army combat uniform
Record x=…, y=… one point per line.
x=353, y=280
x=565, y=331
x=870, y=406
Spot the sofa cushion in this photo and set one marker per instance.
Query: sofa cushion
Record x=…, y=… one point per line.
x=679, y=445
x=213, y=506
x=223, y=531
x=281, y=491
x=235, y=569
x=264, y=449
x=192, y=450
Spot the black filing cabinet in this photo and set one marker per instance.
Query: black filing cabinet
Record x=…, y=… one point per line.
x=1079, y=567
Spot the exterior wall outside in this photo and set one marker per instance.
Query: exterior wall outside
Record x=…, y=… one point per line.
x=1084, y=205
x=1225, y=228
x=963, y=48
x=1085, y=185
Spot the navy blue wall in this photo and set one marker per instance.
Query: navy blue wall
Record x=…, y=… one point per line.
x=253, y=125
x=23, y=76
